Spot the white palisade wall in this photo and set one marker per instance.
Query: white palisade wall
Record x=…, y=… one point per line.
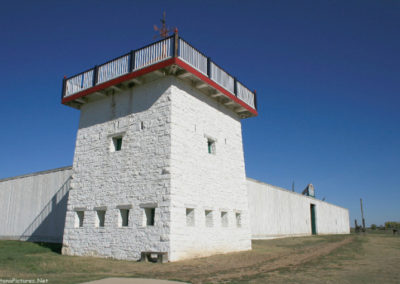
x=33, y=206
x=276, y=212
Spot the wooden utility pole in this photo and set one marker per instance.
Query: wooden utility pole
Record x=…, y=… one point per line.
x=362, y=214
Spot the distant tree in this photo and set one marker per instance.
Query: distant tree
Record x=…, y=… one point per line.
x=373, y=227
x=392, y=225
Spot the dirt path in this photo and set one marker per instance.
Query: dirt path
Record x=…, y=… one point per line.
x=371, y=258
x=245, y=265
x=283, y=261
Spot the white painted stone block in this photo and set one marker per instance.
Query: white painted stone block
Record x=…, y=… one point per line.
x=162, y=163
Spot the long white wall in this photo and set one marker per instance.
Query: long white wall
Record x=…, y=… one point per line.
x=276, y=212
x=33, y=207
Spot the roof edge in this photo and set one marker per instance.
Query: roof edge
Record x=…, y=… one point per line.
x=294, y=192
x=37, y=173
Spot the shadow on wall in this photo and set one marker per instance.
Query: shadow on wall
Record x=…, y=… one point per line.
x=48, y=226
x=116, y=105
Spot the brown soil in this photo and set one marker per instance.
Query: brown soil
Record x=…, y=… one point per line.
x=246, y=265
x=373, y=258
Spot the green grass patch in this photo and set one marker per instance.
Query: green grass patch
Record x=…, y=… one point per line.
x=270, y=261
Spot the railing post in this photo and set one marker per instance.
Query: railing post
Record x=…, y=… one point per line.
x=132, y=61
x=235, y=86
x=209, y=67
x=255, y=99
x=176, y=42
x=64, y=86
x=95, y=75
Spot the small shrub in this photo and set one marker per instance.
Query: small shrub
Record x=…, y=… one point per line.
x=392, y=225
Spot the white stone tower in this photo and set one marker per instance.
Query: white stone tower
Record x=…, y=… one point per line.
x=158, y=164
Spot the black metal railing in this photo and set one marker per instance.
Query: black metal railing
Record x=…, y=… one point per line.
x=153, y=53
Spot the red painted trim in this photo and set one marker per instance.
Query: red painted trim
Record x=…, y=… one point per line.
x=118, y=80
x=215, y=85
x=154, y=67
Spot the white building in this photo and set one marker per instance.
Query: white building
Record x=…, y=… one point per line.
x=159, y=164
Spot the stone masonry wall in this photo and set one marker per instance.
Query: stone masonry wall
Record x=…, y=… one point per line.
x=133, y=178
x=203, y=181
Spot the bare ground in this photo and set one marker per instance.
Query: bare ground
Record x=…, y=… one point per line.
x=371, y=258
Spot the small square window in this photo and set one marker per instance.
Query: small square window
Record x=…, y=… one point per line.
x=238, y=220
x=116, y=144
x=224, y=219
x=211, y=146
x=209, y=218
x=79, y=216
x=101, y=214
x=190, y=217
x=149, y=214
x=124, y=217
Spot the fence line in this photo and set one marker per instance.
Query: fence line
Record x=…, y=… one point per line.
x=192, y=56
x=245, y=94
x=153, y=53
x=113, y=69
x=222, y=78
x=80, y=82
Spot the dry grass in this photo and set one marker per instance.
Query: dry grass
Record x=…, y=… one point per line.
x=373, y=258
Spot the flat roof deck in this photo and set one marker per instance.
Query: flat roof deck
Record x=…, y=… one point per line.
x=169, y=56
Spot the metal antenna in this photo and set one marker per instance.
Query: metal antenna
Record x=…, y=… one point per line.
x=293, y=186
x=362, y=215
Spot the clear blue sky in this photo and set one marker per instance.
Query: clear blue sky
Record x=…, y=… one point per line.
x=327, y=74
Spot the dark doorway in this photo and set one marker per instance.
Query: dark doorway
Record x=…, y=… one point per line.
x=313, y=224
